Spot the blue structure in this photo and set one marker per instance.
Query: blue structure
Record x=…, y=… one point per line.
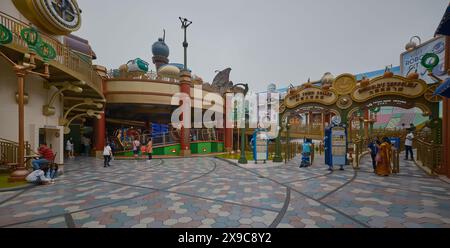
x=336, y=146
x=260, y=146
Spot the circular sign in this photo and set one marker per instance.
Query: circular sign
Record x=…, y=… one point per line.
x=46, y=51
x=336, y=120
x=64, y=13
x=344, y=84
x=344, y=102
x=59, y=17
x=429, y=61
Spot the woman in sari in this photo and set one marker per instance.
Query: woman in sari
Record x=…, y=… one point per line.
x=384, y=158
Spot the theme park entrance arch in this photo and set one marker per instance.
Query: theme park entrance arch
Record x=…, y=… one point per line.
x=349, y=98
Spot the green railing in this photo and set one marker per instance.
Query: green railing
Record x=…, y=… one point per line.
x=65, y=57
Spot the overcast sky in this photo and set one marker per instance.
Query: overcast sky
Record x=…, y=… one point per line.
x=281, y=42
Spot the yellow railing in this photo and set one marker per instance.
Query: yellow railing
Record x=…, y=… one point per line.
x=429, y=154
x=9, y=151
x=66, y=59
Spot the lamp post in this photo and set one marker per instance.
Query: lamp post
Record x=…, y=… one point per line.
x=185, y=23
x=243, y=159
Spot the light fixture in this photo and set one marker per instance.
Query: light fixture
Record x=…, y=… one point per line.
x=411, y=45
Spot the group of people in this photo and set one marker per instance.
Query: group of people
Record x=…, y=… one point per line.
x=137, y=148
x=43, y=173
x=381, y=153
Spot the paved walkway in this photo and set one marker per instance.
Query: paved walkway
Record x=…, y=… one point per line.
x=208, y=192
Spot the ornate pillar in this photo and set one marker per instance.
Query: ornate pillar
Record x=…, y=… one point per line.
x=21, y=172
x=366, y=123
x=446, y=117
x=228, y=131
x=100, y=134
x=185, y=87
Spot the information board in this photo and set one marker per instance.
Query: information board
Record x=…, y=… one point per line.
x=339, y=145
x=260, y=147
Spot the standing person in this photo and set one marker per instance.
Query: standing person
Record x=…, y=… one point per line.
x=87, y=146
x=306, y=153
x=70, y=148
x=408, y=145
x=374, y=146
x=107, y=154
x=150, y=149
x=384, y=158
x=136, y=145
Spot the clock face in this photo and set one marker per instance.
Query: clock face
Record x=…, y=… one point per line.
x=64, y=13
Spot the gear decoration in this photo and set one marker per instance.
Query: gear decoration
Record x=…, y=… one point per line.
x=429, y=61
x=46, y=51
x=344, y=84
x=6, y=35
x=344, y=102
x=430, y=96
x=31, y=37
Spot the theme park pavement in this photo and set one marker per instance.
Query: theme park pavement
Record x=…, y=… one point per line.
x=209, y=192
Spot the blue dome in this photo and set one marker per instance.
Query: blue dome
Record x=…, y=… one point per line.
x=160, y=48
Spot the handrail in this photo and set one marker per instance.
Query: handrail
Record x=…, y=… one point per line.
x=65, y=57
x=429, y=154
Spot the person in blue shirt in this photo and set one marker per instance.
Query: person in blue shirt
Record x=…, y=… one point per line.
x=306, y=153
x=374, y=146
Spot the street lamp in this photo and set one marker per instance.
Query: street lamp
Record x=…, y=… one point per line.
x=243, y=159
x=185, y=23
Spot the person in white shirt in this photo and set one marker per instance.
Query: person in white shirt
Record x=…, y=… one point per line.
x=408, y=145
x=136, y=147
x=70, y=148
x=38, y=177
x=107, y=154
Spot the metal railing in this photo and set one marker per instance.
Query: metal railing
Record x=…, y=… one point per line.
x=9, y=151
x=171, y=137
x=65, y=57
x=151, y=75
x=430, y=155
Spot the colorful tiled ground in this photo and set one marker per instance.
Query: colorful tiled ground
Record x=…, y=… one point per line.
x=209, y=192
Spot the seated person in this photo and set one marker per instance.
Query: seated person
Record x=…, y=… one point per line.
x=46, y=155
x=38, y=177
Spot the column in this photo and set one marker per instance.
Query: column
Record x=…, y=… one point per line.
x=366, y=123
x=100, y=135
x=21, y=172
x=446, y=137
x=228, y=131
x=185, y=87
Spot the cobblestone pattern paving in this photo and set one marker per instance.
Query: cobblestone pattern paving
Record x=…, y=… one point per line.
x=208, y=192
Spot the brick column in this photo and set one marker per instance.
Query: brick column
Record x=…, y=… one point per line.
x=185, y=87
x=100, y=134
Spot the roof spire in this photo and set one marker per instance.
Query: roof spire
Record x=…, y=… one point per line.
x=164, y=35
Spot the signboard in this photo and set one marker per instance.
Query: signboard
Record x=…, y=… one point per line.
x=339, y=145
x=310, y=95
x=260, y=146
x=411, y=61
x=395, y=85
